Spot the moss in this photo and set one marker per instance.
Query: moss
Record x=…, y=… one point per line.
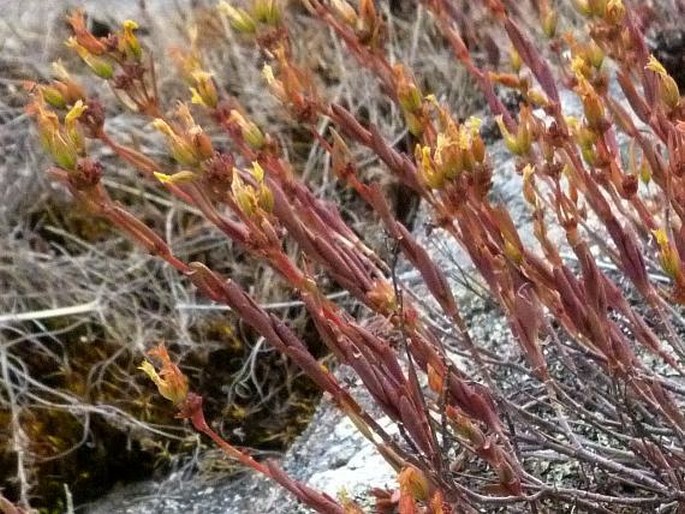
x=74, y=220
x=265, y=407
x=88, y=456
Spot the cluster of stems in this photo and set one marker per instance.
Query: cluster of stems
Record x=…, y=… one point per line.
x=569, y=317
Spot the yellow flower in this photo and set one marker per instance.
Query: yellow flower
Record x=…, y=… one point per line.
x=128, y=43
x=432, y=177
x=170, y=381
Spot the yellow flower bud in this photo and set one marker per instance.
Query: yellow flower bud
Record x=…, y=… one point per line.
x=72, y=129
x=244, y=195
x=512, y=252
x=448, y=157
x=182, y=177
x=670, y=260
x=268, y=74
x=580, y=67
x=654, y=65
x=589, y=155
x=524, y=138
x=345, y=11
x=537, y=98
x=515, y=60
x=204, y=92
x=615, y=12
x=595, y=54
x=478, y=148
x=75, y=112
x=257, y=172
x=53, y=96
x=509, y=139
x=100, y=66
x=549, y=23
x=586, y=137
x=265, y=198
x=520, y=143
x=645, y=172
x=408, y=94
x=593, y=108
x=267, y=11
x=250, y=131
x=597, y=7
x=63, y=152
x=668, y=89
x=473, y=125
x=239, y=19
x=180, y=149
x=414, y=482
x=276, y=86
x=414, y=124
x=64, y=144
